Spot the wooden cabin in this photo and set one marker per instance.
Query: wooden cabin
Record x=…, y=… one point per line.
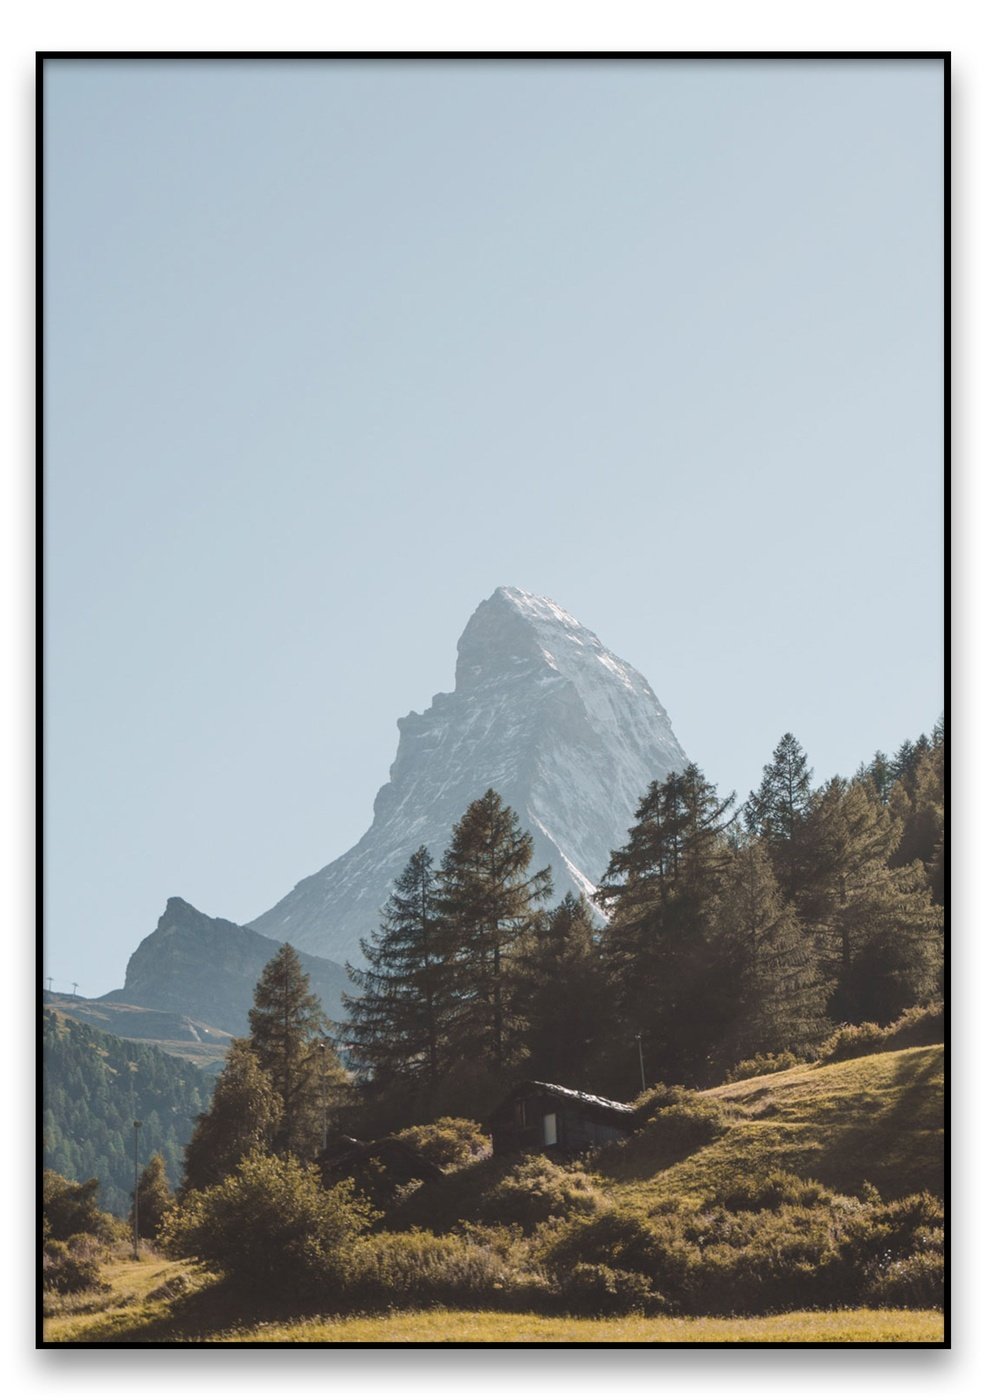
x=536, y=1116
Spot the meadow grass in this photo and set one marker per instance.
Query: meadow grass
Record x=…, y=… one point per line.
x=878, y=1119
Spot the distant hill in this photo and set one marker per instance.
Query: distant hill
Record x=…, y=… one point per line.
x=205, y=1046
x=95, y=1085
x=205, y=970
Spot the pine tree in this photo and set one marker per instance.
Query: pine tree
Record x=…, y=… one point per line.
x=398, y=1020
x=563, y=995
x=774, y=996
x=243, y=1117
x=879, y=933
x=154, y=1198
x=778, y=812
x=487, y=901
x=658, y=891
x=289, y=1037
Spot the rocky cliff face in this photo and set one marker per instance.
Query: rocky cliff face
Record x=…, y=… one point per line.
x=207, y=969
x=567, y=733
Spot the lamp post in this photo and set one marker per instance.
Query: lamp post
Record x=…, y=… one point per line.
x=136, y=1126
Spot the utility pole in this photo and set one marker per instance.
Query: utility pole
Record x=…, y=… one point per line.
x=74, y=986
x=642, y=1068
x=49, y=981
x=322, y=1085
x=136, y=1126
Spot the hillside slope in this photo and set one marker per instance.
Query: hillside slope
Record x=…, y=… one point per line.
x=878, y=1119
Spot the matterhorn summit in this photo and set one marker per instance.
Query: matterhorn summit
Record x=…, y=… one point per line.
x=566, y=732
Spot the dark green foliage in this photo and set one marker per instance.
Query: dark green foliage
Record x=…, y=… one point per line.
x=271, y=1225
x=154, y=1198
x=243, y=1117
x=778, y=813
x=487, y=902
x=880, y=934
x=289, y=1037
x=658, y=947
x=563, y=995
x=95, y=1085
x=773, y=994
x=448, y=1143
x=536, y=1190
x=399, y=1021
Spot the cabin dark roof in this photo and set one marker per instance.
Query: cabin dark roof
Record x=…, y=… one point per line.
x=593, y=1104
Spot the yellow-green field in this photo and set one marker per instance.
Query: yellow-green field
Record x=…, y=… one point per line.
x=127, y=1315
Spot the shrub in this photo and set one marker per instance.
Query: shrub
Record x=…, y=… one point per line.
x=73, y=1265
x=784, y=1243
x=69, y=1208
x=763, y=1064
x=687, y=1125
x=769, y=1192
x=596, y=1290
x=919, y=1025
x=848, y=1042
x=418, y=1267
x=657, y=1096
x=448, y=1143
x=537, y=1189
x=271, y=1224
x=914, y=1282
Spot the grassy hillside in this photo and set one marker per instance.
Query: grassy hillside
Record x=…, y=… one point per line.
x=878, y=1119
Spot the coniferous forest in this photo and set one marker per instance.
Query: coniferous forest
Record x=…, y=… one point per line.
x=729, y=930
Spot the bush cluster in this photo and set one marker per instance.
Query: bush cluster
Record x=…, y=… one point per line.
x=920, y=1025
x=538, y=1189
x=767, y=1246
x=763, y=1064
x=271, y=1225
x=73, y=1265
x=448, y=1143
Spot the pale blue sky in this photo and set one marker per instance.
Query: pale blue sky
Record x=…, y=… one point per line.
x=334, y=349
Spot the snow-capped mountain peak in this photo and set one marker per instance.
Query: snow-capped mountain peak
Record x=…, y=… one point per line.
x=568, y=733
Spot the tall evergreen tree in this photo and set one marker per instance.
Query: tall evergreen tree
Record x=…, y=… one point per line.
x=880, y=935
x=243, y=1117
x=488, y=902
x=289, y=1037
x=399, y=1017
x=658, y=891
x=778, y=813
x=563, y=995
x=774, y=995
x=154, y=1198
